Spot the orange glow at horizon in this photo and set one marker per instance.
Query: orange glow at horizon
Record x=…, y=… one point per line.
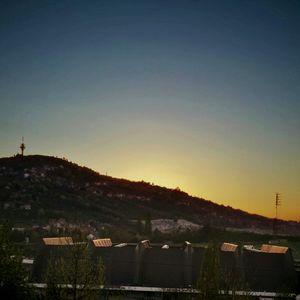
x=254, y=203
x=257, y=197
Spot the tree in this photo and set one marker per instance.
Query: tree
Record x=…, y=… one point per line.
x=13, y=277
x=148, y=225
x=209, y=281
x=214, y=278
x=139, y=226
x=74, y=274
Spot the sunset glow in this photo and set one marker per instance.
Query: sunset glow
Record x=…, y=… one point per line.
x=200, y=95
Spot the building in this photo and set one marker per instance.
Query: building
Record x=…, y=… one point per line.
x=152, y=268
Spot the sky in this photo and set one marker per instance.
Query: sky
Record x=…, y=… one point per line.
x=200, y=95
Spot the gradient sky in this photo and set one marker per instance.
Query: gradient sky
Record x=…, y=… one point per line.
x=203, y=95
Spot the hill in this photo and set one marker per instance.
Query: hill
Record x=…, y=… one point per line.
x=38, y=189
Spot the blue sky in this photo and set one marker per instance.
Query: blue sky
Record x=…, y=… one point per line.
x=203, y=95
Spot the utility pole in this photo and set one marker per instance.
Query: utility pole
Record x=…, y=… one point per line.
x=22, y=147
x=277, y=204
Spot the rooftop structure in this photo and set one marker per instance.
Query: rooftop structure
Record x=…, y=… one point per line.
x=273, y=249
x=168, y=266
x=227, y=247
x=102, y=243
x=58, y=241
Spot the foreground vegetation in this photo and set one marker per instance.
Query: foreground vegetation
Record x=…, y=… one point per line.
x=85, y=276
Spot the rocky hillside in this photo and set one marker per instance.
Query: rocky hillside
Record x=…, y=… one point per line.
x=35, y=189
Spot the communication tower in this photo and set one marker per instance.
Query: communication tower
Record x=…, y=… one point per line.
x=277, y=203
x=22, y=147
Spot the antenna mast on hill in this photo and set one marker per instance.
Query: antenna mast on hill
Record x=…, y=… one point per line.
x=22, y=147
x=277, y=203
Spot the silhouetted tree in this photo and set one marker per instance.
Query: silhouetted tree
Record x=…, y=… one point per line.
x=139, y=227
x=13, y=277
x=148, y=226
x=209, y=281
x=77, y=269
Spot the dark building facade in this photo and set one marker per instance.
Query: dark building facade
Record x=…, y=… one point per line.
x=179, y=266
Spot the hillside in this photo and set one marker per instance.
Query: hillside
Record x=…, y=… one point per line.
x=35, y=189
